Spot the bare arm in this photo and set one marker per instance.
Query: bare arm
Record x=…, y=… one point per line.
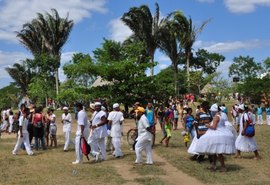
x=215, y=122
x=103, y=122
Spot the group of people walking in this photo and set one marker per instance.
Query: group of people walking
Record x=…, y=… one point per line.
x=211, y=132
x=215, y=136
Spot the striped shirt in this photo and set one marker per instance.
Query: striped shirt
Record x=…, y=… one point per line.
x=203, y=118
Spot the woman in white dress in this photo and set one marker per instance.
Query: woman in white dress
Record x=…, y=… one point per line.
x=217, y=140
x=244, y=143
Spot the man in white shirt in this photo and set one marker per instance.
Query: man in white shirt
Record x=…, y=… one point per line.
x=115, y=121
x=66, y=121
x=23, y=135
x=82, y=131
x=99, y=131
x=144, y=139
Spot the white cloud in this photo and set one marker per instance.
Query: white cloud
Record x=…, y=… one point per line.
x=9, y=58
x=223, y=69
x=245, y=6
x=223, y=47
x=163, y=58
x=67, y=56
x=3, y=73
x=162, y=66
x=119, y=31
x=15, y=13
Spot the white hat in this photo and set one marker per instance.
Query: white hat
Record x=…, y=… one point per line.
x=115, y=105
x=222, y=108
x=242, y=107
x=65, y=108
x=97, y=103
x=214, y=108
x=92, y=106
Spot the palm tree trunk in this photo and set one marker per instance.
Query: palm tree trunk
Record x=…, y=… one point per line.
x=175, y=82
x=152, y=68
x=188, y=77
x=57, y=81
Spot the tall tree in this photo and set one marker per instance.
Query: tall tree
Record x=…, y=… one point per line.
x=245, y=67
x=187, y=35
x=145, y=26
x=205, y=61
x=80, y=70
x=21, y=74
x=169, y=44
x=47, y=34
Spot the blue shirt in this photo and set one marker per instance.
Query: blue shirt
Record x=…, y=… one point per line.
x=189, y=121
x=149, y=113
x=267, y=110
x=259, y=110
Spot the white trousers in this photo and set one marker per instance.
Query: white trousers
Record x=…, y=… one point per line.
x=4, y=125
x=268, y=119
x=25, y=141
x=68, y=140
x=260, y=119
x=144, y=145
x=117, y=146
x=10, y=127
x=98, y=145
x=78, y=151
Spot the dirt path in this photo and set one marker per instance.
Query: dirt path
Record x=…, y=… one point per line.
x=176, y=176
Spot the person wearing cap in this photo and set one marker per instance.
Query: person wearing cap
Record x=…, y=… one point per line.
x=99, y=131
x=82, y=131
x=115, y=119
x=244, y=143
x=144, y=139
x=23, y=136
x=217, y=140
x=66, y=121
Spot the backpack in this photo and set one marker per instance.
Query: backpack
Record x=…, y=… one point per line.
x=85, y=147
x=250, y=130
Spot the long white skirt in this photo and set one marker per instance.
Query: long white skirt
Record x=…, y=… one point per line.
x=246, y=144
x=219, y=141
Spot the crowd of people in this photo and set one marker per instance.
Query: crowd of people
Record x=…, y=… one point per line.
x=207, y=131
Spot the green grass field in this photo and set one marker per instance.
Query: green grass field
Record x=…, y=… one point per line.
x=53, y=166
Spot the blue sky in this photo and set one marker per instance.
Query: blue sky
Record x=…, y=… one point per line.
x=237, y=27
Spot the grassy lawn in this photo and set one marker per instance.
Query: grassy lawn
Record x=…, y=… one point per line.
x=240, y=171
x=53, y=166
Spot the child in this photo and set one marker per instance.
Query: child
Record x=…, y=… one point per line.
x=16, y=123
x=185, y=137
x=168, y=128
x=53, y=128
x=188, y=122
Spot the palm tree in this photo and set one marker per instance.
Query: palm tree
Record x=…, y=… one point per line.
x=21, y=74
x=47, y=34
x=169, y=44
x=187, y=35
x=145, y=26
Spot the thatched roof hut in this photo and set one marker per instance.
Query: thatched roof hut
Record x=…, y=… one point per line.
x=206, y=89
x=100, y=82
